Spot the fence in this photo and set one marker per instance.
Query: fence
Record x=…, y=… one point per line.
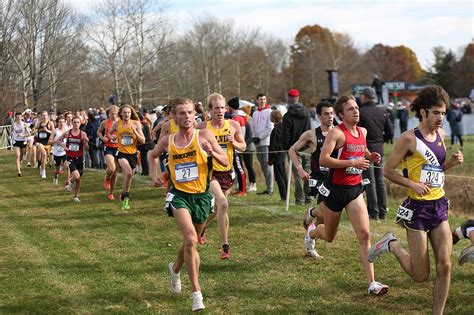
x=5, y=140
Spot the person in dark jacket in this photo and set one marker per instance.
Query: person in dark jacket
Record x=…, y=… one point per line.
x=147, y=146
x=93, y=124
x=391, y=115
x=277, y=159
x=377, y=84
x=402, y=115
x=295, y=122
x=379, y=127
x=454, y=117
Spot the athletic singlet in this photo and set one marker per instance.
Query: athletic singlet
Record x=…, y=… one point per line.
x=42, y=136
x=58, y=150
x=174, y=128
x=318, y=171
x=353, y=148
x=74, y=144
x=110, y=143
x=221, y=137
x=127, y=139
x=189, y=167
x=426, y=165
x=19, y=131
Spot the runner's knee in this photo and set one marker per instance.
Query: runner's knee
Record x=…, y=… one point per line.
x=190, y=242
x=443, y=267
x=420, y=276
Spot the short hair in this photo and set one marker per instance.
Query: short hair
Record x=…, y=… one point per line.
x=276, y=116
x=260, y=95
x=321, y=105
x=214, y=97
x=179, y=101
x=341, y=101
x=432, y=95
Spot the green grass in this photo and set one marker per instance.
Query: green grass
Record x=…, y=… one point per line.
x=60, y=257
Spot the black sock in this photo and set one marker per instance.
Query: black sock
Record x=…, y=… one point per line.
x=226, y=248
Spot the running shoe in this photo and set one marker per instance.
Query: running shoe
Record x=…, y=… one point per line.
x=106, y=184
x=175, y=285
x=75, y=199
x=111, y=197
x=239, y=193
x=225, y=253
x=310, y=243
x=461, y=232
x=29, y=164
x=68, y=187
x=19, y=174
x=198, y=303
x=378, y=288
x=125, y=205
x=55, y=181
x=467, y=255
x=252, y=187
x=381, y=247
x=308, y=218
x=43, y=174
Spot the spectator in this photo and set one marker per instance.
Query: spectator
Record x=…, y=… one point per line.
x=391, y=116
x=250, y=149
x=454, y=117
x=377, y=84
x=91, y=128
x=147, y=146
x=295, y=122
x=402, y=114
x=277, y=159
x=241, y=117
x=379, y=127
x=263, y=127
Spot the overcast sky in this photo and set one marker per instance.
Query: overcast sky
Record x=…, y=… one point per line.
x=420, y=25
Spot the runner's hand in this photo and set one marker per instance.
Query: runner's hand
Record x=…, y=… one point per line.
x=156, y=181
x=303, y=174
x=361, y=163
x=420, y=188
x=207, y=147
x=457, y=158
x=230, y=138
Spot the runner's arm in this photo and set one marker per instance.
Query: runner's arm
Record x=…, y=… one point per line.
x=139, y=132
x=153, y=155
x=308, y=138
x=100, y=132
x=213, y=148
x=85, y=140
x=237, y=140
x=112, y=130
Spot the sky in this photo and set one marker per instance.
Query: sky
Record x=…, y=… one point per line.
x=420, y=25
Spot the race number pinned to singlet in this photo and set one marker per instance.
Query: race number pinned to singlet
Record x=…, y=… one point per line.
x=353, y=170
x=432, y=175
x=42, y=135
x=186, y=172
x=127, y=140
x=323, y=190
x=312, y=182
x=404, y=213
x=323, y=169
x=74, y=147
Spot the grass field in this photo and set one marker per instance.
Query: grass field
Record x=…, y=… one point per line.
x=92, y=257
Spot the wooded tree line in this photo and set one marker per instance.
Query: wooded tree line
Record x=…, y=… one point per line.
x=54, y=58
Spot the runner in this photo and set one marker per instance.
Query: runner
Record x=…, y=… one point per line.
x=43, y=130
x=19, y=134
x=76, y=143
x=30, y=147
x=59, y=154
x=424, y=214
x=466, y=230
x=127, y=131
x=191, y=153
x=228, y=135
x=110, y=151
x=344, y=152
x=313, y=140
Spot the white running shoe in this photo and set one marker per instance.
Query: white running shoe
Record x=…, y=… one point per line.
x=69, y=187
x=198, y=303
x=175, y=285
x=75, y=199
x=55, y=181
x=378, y=288
x=467, y=255
x=252, y=187
x=310, y=243
x=381, y=247
x=43, y=174
x=308, y=218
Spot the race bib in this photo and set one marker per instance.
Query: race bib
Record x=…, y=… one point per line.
x=169, y=197
x=324, y=169
x=42, y=135
x=323, y=190
x=365, y=181
x=186, y=172
x=353, y=170
x=74, y=147
x=404, y=213
x=127, y=140
x=432, y=175
x=312, y=182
